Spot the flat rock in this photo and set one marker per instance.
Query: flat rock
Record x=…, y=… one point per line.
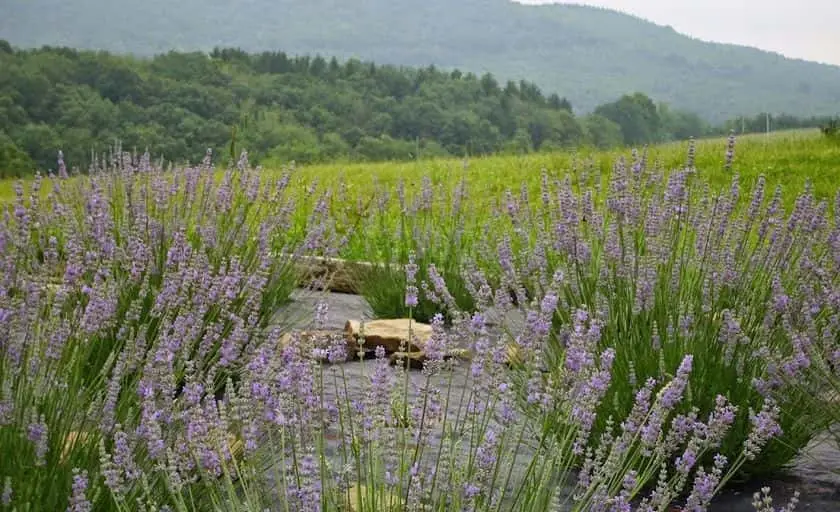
x=395, y=335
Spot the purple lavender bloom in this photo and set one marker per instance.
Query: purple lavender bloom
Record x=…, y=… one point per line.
x=124, y=456
x=720, y=420
x=549, y=303
x=765, y=426
x=78, y=501
x=686, y=461
x=673, y=392
x=486, y=452
x=193, y=392
x=705, y=485
x=36, y=432
x=730, y=151
x=6, y=498
x=337, y=352
x=411, y=300
x=62, y=168
x=471, y=490
x=436, y=347
x=702, y=492
x=426, y=195
x=692, y=150
x=321, y=310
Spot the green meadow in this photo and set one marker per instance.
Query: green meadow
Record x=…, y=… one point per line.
x=788, y=159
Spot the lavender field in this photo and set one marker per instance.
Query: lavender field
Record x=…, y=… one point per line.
x=649, y=336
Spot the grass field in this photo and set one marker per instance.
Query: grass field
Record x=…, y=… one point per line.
x=785, y=158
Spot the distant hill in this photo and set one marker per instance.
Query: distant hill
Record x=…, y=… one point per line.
x=589, y=55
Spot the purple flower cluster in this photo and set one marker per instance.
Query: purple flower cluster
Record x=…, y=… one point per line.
x=674, y=267
x=150, y=297
x=37, y=433
x=78, y=501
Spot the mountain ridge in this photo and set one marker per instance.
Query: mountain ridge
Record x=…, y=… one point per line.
x=588, y=54
x=686, y=35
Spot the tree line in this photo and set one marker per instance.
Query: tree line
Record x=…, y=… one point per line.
x=282, y=108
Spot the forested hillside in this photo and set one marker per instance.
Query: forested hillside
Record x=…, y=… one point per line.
x=302, y=109
x=586, y=54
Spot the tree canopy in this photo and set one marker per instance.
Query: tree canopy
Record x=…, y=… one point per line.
x=301, y=108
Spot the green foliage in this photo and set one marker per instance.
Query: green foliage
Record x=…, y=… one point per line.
x=520, y=144
x=290, y=142
x=680, y=125
x=431, y=229
x=281, y=108
x=305, y=109
x=636, y=115
x=603, y=132
x=14, y=162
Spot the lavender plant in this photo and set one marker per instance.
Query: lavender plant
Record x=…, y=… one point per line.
x=384, y=439
x=805, y=309
x=669, y=268
x=129, y=291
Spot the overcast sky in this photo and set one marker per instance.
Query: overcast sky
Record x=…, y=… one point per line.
x=807, y=29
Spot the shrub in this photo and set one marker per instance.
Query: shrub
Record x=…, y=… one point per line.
x=668, y=268
x=806, y=310
x=119, y=293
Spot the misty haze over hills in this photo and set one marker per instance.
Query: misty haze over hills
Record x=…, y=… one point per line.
x=586, y=54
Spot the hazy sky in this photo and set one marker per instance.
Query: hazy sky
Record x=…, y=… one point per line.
x=807, y=29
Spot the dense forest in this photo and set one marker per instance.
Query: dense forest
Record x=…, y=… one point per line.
x=306, y=109
x=589, y=55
